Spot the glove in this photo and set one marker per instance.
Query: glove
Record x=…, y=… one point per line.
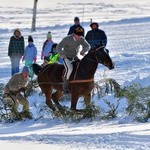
x=13, y=93
x=34, y=59
x=22, y=89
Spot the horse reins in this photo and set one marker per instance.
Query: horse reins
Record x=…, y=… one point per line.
x=89, y=80
x=73, y=81
x=95, y=56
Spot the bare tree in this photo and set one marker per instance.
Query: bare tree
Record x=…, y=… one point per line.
x=34, y=15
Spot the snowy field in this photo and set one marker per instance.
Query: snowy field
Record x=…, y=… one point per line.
x=127, y=25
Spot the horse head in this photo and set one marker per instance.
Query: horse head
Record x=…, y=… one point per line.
x=102, y=56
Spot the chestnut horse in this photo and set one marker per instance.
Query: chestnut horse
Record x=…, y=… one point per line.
x=81, y=81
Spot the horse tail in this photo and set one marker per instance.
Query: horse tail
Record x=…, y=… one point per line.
x=36, y=68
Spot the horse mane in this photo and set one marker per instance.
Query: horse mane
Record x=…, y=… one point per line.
x=36, y=68
x=86, y=67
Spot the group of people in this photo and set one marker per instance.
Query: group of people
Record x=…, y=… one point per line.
x=65, y=52
x=18, y=51
x=69, y=46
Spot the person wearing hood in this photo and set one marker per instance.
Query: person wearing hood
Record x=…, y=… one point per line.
x=30, y=55
x=96, y=36
x=16, y=50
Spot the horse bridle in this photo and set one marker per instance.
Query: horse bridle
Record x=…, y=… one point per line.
x=94, y=51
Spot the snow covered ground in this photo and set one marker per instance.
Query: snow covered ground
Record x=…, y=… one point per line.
x=127, y=26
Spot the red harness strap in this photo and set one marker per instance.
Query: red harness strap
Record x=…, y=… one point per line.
x=81, y=81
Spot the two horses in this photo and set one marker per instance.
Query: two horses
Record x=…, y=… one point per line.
x=81, y=81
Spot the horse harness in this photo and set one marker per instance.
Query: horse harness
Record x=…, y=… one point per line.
x=73, y=59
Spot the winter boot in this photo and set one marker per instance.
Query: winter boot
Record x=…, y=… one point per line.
x=26, y=114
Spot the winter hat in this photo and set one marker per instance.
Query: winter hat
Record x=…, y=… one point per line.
x=93, y=24
x=76, y=19
x=25, y=69
x=30, y=39
x=78, y=31
x=49, y=35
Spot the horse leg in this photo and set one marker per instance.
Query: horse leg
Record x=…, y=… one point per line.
x=74, y=99
x=48, y=92
x=87, y=100
x=56, y=96
x=48, y=101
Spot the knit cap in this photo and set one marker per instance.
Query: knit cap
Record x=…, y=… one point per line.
x=25, y=69
x=49, y=35
x=76, y=19
x=30, y=39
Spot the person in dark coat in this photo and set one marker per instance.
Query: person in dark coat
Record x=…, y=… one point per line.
x=96, y=36
x=76, y=24
x=16, y=50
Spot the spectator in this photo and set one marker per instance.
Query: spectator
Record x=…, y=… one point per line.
x=68, y=49
x=96, y=36
x=16, y=50
x=13, y=94
x=76, y=24
x=30, y=55
x=53, y=57
x=47, y=46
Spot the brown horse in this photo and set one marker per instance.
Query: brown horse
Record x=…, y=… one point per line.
x=81, y=81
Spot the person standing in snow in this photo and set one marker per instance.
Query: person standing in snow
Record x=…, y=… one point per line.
x=16, y=50
x=76, y=24
x=47, y=46
x=96, y=36
x=30, y=55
